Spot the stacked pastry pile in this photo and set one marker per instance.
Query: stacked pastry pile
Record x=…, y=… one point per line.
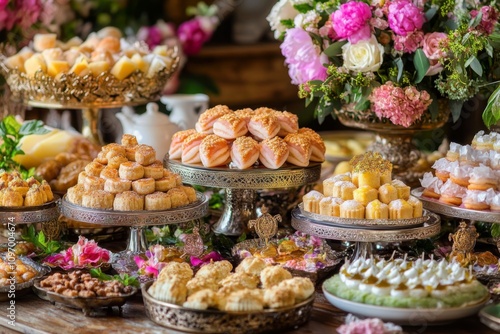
x=128, y=177
x=469, y=175
x=368, y=192
x=15, y=192
x=252, y=287
x=245, y=137
x=409, y=284
x=101, y=52
x=20, y=271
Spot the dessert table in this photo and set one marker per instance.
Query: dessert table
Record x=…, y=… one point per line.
x=36, y=316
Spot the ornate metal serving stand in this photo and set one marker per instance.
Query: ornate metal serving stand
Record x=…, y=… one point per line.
x=136, y=220
x=364, y=236
x=46, y=214
x=240, y=186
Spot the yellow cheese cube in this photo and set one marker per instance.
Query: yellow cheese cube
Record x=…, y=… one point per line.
x=123, y=68
x=80, y=67
x=33, y=64
x=55, y=67
x=15, y=61
x=160, y=50
x=44, y=41
x=98, y=67
x=140, y=63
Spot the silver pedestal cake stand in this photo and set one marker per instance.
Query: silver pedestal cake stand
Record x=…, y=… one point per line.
x=240, y=186
x=362, y=232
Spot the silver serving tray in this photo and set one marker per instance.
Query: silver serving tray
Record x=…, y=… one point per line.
x=213, y=321
x=25, y=287
x=85, y=304
x=490, y=316
x=375, y=224
x=30, y=214
x=456, y=211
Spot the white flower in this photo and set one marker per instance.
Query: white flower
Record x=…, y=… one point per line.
x=307, y=21
x=283, y=10
x=364, y=56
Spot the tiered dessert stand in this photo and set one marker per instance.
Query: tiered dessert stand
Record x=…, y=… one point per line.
x=240, y=187
x=46, y=214
x=365, y=232
x=136, y=220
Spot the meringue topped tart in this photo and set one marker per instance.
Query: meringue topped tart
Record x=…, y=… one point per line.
x=406, y=284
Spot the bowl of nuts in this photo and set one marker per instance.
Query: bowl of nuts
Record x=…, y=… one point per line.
x=78, y=289
x=18, y=274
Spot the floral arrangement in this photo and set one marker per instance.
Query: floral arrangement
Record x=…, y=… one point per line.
x=84, y=254
x=353, y=325
x=389, y=60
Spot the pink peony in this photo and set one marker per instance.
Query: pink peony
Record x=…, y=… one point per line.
x=405, y=17
x=194, y=33
x=303, y=57
x=4, y=14
x=352, y=21
x=488, y=20
x=409, y=43
x=402, y=106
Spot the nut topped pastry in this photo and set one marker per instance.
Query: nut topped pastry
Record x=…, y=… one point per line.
x=207, y=119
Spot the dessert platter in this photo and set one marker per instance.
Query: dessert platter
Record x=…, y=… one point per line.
x=268, y=150
x=256, y=297
x=464, y=184
x=104, y=71
x=406, y=292
x=365, y=206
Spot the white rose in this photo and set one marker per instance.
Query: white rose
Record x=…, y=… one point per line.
x=283, y=10
x=364, y=56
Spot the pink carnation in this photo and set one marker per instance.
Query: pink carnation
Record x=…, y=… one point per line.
x=352, y=20
x=488, y=20
x=194, y=33
x=303, y=57
x=409, y=43
x=405, y=17
x=402, y=106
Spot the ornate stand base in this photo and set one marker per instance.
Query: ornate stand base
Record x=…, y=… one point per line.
x=238, y=210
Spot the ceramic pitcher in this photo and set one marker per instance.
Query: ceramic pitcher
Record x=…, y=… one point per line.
x=185, y=108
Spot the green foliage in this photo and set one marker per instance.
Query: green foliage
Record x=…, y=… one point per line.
x=125, y=279
x=495, y=230
x=12, y=132
x=43, y=245
x=491, y=114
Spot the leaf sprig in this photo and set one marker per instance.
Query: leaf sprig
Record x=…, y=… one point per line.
x=43, y=245
x=125, y=279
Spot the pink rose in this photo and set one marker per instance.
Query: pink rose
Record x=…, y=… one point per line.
x=433, y=45
x=303, y=57
x=352, y=20
x=405, y=17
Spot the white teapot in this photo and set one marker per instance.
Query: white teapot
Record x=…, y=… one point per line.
x=152, y=128
x=186, y=108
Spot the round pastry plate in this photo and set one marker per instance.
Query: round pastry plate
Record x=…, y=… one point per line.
x=25, y=287
x=85, y=304
x=327, y=231
x=490, y=316
x=434, y=205
x=406, y=316
x=189, y=212
x=213, y=321
x=375, y=224
x=258, y=177
x=30, y=214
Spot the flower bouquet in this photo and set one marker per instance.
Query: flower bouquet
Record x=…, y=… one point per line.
x=390, y=61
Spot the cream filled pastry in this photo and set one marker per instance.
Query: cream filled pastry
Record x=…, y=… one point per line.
x=483, y=178
x=299, y=147
x=175, y=150
x=273, y=152
x=191, y=148
x=244, y=152
x=452, y=193
x=230, y=126
x=207, y=119
x=318, y=147
x=432, y=185
x=289, y=123
x=214, y=151
x=246, y=114
x=477, y=199
x=263, y=126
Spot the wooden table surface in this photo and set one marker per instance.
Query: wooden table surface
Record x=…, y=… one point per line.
x=36, y=316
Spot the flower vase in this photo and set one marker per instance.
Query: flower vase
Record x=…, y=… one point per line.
x=395, y=142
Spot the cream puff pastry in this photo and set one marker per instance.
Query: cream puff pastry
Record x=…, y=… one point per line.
x=230, y=126
x=273, y=152
x=214, y=151
x=244, y=152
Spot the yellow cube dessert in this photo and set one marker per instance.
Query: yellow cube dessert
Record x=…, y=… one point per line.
x=400, y=209
x=387, y=193
x=417, y=206
x=352, y=209
x=369, y=178
x=377, y=210
x=81, y=66
x=34, y=64
x=55, y=67
x=330, y=182
x=123, y=68
x=330, y=206
x=44, y=41
x=98, y=67
x=344, y=190
x=140, y=63
x=385, y=176
x=311, y=201
x=365, y=194
x=15, y=61
x=402, y=189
